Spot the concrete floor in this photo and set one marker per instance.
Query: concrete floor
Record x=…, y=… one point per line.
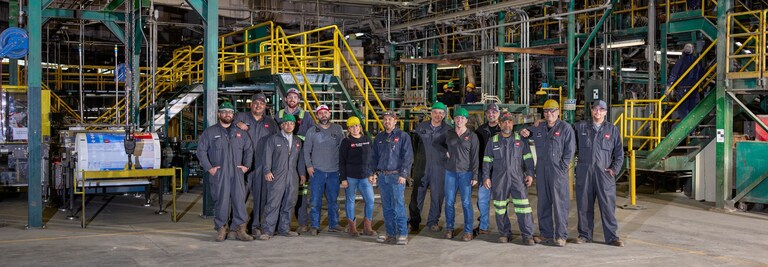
x=673, y=230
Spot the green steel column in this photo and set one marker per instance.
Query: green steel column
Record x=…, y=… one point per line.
x=13, y=21
x=569, y=115
x=724, y=115
x=392, y=76
x=516, y=79
x=500, y=59
x=211, y=60
x=35, y=136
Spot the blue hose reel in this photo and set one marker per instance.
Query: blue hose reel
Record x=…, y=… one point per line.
x=14, y=43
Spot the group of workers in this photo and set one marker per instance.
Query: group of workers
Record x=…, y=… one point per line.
x=275, y=158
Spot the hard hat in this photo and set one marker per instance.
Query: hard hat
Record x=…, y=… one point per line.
x=450, y=84
x=445, y=86
x=288, y=117
x=226, y=106
x=438, y=105
x=461, y=112
x=352, y=121
x=470, y=85
x=551, y=104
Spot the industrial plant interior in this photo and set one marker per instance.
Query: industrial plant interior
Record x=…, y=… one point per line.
x=104, y=104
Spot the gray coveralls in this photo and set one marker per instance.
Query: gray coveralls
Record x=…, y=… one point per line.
x=283, y=161
x=554, y=151
x=434, y=174
x=304, y=121
x=507, y=161
x=599, y=149
x=259, y=131
x=227, y=149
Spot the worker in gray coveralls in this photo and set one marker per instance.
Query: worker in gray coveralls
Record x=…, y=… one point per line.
x=259, y=126
x=225, y=152
x=283, y=172
x=601, y=155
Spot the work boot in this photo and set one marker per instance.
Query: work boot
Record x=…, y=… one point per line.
x=560, y=242
x=617, y=243
x=221, y=234
x=434, y=228
x=581, y=240
x=335, y=229
x=402, y=240
x=478, y=231
x=241, y=235
x=303, y=229
x=290, y=234
x=313, y=231
x=448, y=234
x=467, y=237
x=264, y=237
x=385, y=239
x=539, y=240
x=352, y=228
x=368, y=229
x=503, y=239
x=529, y=242
x=255, y=232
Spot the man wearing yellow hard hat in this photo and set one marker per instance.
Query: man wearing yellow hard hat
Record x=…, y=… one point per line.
x=472, y=96
x=555, y=145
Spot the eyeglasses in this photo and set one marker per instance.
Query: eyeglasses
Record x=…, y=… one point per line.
x=550, y=110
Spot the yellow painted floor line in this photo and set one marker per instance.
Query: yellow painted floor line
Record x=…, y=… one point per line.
x=103, y=235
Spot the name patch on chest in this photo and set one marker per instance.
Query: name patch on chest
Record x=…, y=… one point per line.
x=557, y=134
x=607, y=136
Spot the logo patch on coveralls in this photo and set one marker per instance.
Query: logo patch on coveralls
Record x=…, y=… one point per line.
x=397, y=139
x=607, y=136
x=238, y=135
x=517, y=143
x=466, y=138
x=266, y=125
x=557, y=134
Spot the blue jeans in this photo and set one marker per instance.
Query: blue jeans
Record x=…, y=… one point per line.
x=366, y=189
x=327, y=182
x=483, y=204
x=393, y=205
x=461, y=182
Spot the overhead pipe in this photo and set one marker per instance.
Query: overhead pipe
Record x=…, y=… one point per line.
x=553, y=16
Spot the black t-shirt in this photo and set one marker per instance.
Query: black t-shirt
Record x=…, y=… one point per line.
x=354, y=157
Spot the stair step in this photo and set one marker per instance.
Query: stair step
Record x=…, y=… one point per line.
x=688, y=147
x=707, y=126
x=699, y=137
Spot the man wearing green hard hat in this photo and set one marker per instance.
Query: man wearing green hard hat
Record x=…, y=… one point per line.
x=226, y=153
x=463, y=149
x=283, y=170
x=430, y=133
x=449, y=97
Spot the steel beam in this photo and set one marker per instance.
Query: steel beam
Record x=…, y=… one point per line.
x=724, y=115
x=464, y=13
x=114, y=5
x=211, y=43
x=117, y=30
x=83, y=14
x=34, y=108
x=534, y=51
x=201, y=6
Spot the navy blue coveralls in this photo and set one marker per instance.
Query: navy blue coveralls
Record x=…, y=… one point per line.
x=507, y=161
x=599, y=150
x=554, y=150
